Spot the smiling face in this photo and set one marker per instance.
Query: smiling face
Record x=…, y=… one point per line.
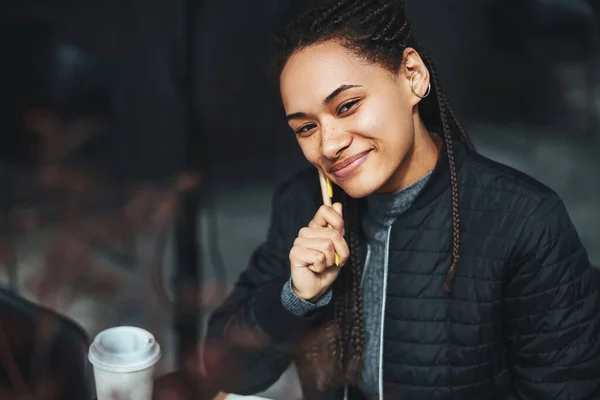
x=357, y=121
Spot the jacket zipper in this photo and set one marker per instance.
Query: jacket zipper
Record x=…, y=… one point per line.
x=362, y=279
x=385, y=276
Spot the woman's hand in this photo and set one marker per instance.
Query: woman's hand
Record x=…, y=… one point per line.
x=312, y=259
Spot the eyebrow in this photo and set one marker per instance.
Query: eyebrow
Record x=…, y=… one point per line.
x=327, y=100
x=295, y=116
x=337, y=91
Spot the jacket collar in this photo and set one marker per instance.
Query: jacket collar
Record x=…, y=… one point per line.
x=439, y=181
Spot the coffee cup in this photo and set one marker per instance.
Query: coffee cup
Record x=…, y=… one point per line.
x=124, y=358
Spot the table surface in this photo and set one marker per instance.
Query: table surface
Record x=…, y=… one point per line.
x=181, y=385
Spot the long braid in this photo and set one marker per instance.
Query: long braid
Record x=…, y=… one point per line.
x=447, y=136
x=347, y=289
x=357, y=333
x=464, y=137
x=341, y=312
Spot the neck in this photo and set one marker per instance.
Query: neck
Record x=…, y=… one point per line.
x=420, y=160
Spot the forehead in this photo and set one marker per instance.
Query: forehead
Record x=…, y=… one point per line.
x=315, y=71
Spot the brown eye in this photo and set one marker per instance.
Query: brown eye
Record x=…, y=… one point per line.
x=346, y=106
x=305, y=129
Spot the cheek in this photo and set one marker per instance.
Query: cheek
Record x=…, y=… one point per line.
x=384, y=114
x=393, y=120
x=390, y=127
x=366, y=123
x=311, y=148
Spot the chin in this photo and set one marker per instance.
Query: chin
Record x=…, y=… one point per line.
x=361, y=186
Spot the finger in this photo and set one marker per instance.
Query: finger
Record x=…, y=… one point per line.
x=327, y=216
x=322, y=245
x=339, y=209
x=312, y=224
x=319, y=264
x=302, y=257
x=339, y=243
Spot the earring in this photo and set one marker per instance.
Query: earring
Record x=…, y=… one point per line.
x=413, y=88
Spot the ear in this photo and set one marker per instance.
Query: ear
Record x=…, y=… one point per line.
x=413, y=65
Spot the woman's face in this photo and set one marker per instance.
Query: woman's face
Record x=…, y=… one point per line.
x=355, y=121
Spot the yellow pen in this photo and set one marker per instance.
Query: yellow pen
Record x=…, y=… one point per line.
x=327, y=194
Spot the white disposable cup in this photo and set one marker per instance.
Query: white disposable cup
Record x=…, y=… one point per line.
x=123, y=358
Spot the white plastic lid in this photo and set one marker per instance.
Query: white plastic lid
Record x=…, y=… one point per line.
x=124, y=349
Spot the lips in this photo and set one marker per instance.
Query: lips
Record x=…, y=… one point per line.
x=346, y=167
x=343, y=164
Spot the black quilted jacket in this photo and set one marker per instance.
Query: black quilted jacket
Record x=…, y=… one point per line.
x=522, y=322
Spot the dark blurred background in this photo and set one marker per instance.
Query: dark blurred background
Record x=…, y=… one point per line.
x=141, y=140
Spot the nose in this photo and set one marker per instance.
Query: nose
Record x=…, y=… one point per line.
x=334, y=141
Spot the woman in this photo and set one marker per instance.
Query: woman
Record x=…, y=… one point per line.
x=459, y=278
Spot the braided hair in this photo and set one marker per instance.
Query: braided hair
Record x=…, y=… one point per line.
x=378, y=32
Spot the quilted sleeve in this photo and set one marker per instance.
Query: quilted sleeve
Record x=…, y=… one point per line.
x=250, y=338
x=551, y=310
